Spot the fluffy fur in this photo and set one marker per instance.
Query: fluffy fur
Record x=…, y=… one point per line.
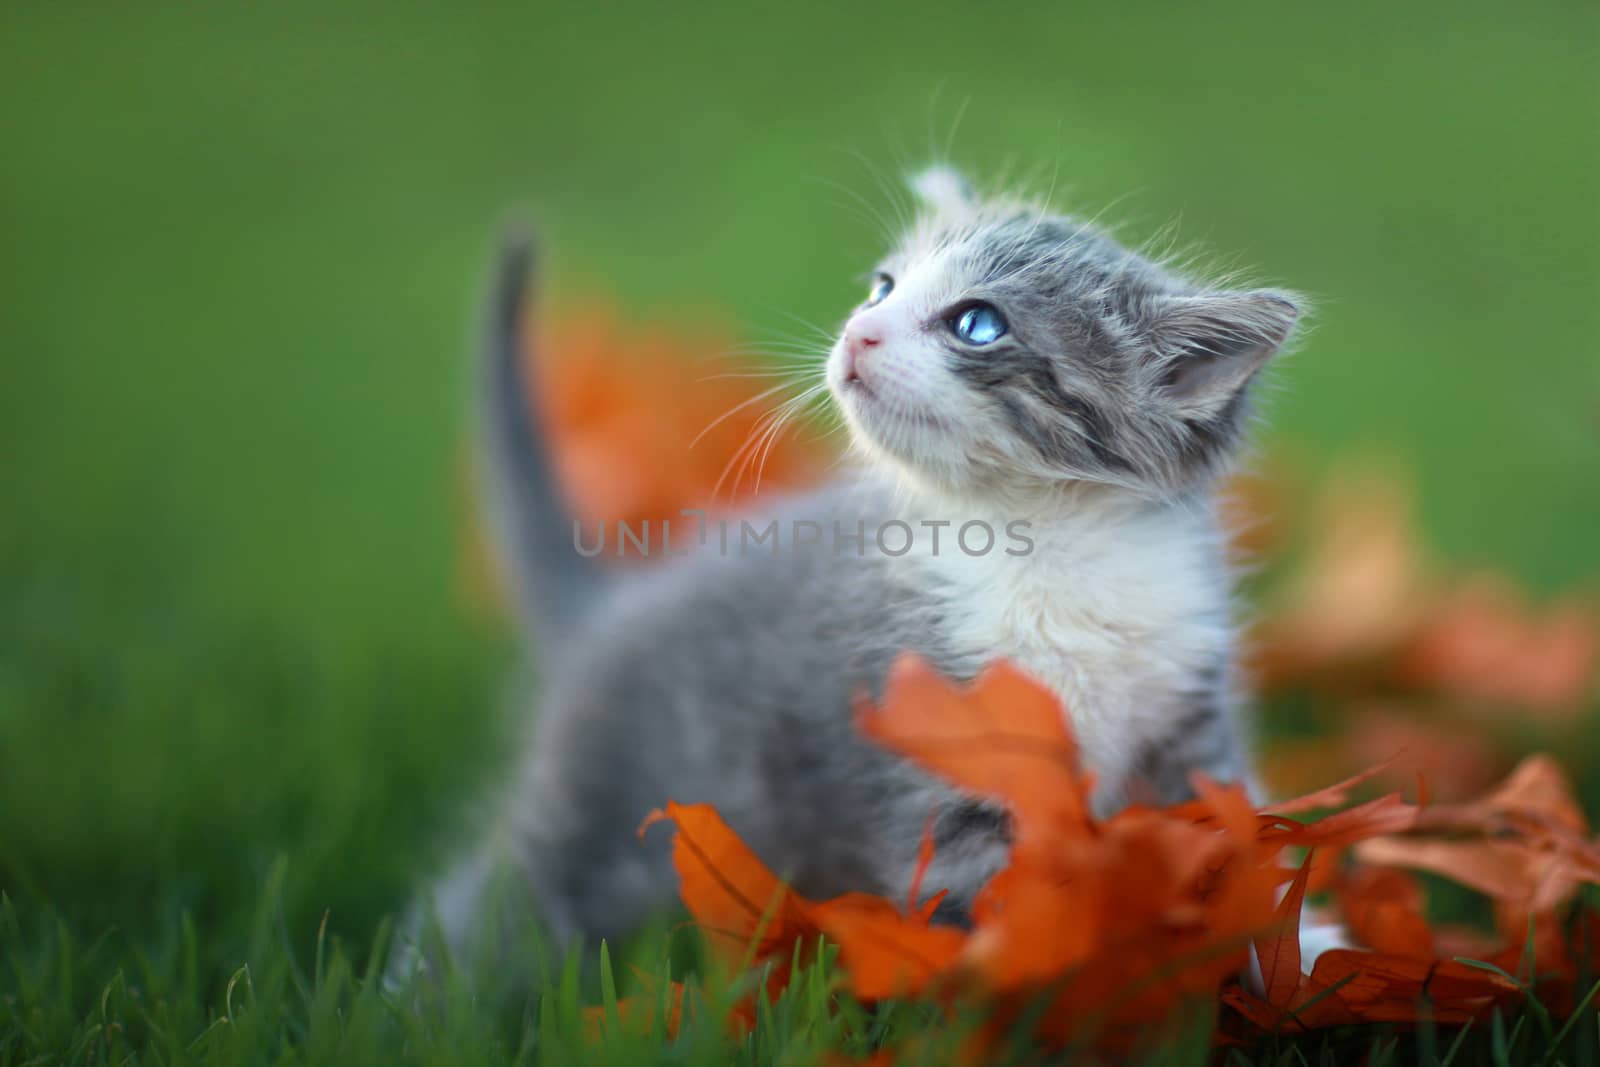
x=1100, y=420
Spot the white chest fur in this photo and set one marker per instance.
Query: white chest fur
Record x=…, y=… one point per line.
x=1122, y=606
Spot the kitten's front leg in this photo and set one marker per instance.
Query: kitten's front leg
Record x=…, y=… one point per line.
x=1205, y=739
x=1202, y=737
x=971, y=844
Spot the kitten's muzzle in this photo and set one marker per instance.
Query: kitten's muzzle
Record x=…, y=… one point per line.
x=859, y=338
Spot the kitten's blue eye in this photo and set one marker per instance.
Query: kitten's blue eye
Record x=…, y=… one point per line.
x=882, y=286
x=980, y=324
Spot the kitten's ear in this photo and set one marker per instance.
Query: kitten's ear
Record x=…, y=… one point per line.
x=1212, y=344
x=944, y=190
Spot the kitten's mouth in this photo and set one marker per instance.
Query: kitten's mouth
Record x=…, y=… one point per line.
x=875, y=406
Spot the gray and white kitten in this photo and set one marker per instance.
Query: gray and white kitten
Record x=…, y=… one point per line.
x=1010, y=366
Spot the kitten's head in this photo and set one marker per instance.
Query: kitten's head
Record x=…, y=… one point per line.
x=1003, y=346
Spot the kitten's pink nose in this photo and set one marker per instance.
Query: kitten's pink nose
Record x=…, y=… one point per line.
x=859, y=337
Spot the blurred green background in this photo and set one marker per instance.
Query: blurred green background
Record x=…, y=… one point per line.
x=240, y=248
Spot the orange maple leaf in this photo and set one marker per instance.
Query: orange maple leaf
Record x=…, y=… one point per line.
x=1350, y=986
x=1455, y=763
x=1004, y=738
x=888, y=952
x=751, y=916
x=1525, y=844
x=642, y=430
x=1366, y=611
x=745, y=910
x=1384, y=911
x=1484, y=641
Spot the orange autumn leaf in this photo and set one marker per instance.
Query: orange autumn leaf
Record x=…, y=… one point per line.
x=1253, y=509
x=1531, y=846
x=1351, y=986
x=1326, y=797
x=1453, y=762
x=925, y=854
x=1376, y=987
x=1384, y=912
x=1367, y=611
x=887, y=952
x=1526, y=846
x=749, y=915
x=742, y=907
x=1484, y=641
x=1385, y=815
x=1361, y=591
x=1537, y=789
x=644, y=426
x=1104, y=921
x=1347, y=986
x=1004, y=738
x=1279, y=956
x=1503, y=870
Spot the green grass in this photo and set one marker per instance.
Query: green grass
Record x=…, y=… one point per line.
x=238, y=250
x=120, y=999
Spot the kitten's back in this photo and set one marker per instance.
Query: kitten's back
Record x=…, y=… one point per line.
x=728, y=679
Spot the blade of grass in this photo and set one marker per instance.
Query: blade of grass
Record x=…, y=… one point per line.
x=1571, y=1024
x=608, y=992
x=1455, y=1046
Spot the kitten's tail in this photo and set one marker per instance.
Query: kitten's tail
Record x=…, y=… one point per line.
x=552, y=584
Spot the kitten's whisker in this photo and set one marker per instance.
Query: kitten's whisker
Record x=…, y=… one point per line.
x=1020, y=244
x=896, y=194
x=774, y=351
x=736, y=459
x=797, y=319
x=742, y=454
x=782, y=344
x=861, y=206
x=796, y=374
x=955, y=125
x=720, y=419
x=792, y=409
x=761, y=453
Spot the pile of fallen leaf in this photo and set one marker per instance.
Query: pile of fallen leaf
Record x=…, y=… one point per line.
x=1102, y=932
x=1099, y=931
x=1395, y=656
